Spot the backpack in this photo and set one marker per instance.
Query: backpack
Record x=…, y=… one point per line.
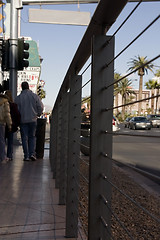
x=16, y=117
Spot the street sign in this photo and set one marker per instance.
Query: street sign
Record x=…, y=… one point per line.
x=59, y=17
x=58, y=2
x=46, y=2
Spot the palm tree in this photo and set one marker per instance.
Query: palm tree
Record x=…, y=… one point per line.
x=141, y=63
x=123, y=88
x=151, y=84
x=157, y=74
x=117, y=76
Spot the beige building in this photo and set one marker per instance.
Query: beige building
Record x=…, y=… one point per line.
x=148, y=105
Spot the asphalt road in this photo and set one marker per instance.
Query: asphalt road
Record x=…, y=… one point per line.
x=141, y=151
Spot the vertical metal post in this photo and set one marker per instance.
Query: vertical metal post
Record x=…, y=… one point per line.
x=13, y=49
x=51, y=148
x=54, y=140
x=73, y=159
x=64, y=149
x=58, y=155
x=101, y=144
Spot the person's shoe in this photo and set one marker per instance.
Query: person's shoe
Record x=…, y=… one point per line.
x=33, y=158
x=26, y=159
x=4, y=161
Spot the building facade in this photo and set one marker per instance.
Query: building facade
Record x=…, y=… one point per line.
x=149, y=105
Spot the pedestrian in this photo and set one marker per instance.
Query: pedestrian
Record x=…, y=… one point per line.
x=5, y=118
x=16, y=117
x=30, y=107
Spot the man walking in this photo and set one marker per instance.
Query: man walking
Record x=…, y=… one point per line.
x=30, y=107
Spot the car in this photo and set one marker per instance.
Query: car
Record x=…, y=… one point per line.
x=139, y=122
x=85, y=135
x=154, y=119
x=115, y=124
x=126, y=122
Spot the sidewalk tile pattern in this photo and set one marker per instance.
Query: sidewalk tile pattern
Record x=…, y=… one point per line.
x=29, y=207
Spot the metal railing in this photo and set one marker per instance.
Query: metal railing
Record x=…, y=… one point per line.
x=100, y=199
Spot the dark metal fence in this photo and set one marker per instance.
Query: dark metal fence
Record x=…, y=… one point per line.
x=101, y=201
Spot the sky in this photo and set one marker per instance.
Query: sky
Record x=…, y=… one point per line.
x=58, y=43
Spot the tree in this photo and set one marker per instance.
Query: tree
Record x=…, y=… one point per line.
x=117, y=76
x=123, y=87
x=157, y=74
x=141, y=63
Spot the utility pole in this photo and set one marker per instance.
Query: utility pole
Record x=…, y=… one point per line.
x=15, y=6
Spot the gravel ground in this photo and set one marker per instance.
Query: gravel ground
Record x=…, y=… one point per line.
x=137, y=222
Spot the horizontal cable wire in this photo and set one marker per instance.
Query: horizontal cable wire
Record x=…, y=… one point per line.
x=86, y=99
x=131, y=199
x=115, y=216
x=133, y=167
x=79, y=202
x=82, y=129
x=83, y=86
x=134, y=102
x=86, y=68
x=82, y=191
x=79, y=220
x=106, y=65
x=130, y=73
x=83, y=177
x=106, y=226
x=87, y=163
x=129, y=135
x=82, y=101
x=82, y=144
x=79, y=232
x=104, y=222
x=123, y=23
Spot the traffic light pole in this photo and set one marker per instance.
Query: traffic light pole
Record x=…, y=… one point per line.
x=13, y=50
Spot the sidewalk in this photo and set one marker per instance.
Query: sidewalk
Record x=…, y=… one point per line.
x=29, y=207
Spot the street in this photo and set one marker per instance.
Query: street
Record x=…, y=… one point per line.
x=141, y=151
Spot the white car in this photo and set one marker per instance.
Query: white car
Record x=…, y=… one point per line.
x=115, y=123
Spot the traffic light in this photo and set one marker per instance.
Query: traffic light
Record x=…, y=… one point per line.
x=23, y=54
x=5, y=55
x=39, y=90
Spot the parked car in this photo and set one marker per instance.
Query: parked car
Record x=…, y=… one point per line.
x=154, y=119
x=139, y=123
x=85, y=135
x=115, y=124
x=126, y=122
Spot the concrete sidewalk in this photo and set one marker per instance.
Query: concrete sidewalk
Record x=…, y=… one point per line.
x=29, y=207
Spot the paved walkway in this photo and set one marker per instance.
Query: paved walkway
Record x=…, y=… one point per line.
x=29, y=207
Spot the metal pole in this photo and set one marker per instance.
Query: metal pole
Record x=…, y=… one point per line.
x=13, y=50
x=73, y=160
x=64, y=150
x=100, y=143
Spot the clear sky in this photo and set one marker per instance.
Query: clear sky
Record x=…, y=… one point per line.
x=58, y=43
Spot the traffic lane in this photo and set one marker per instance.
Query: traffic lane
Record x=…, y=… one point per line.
x=140, y=152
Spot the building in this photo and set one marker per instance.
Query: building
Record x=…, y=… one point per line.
x=148, y=105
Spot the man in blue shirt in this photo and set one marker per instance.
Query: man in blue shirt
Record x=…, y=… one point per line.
x=30, y=107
